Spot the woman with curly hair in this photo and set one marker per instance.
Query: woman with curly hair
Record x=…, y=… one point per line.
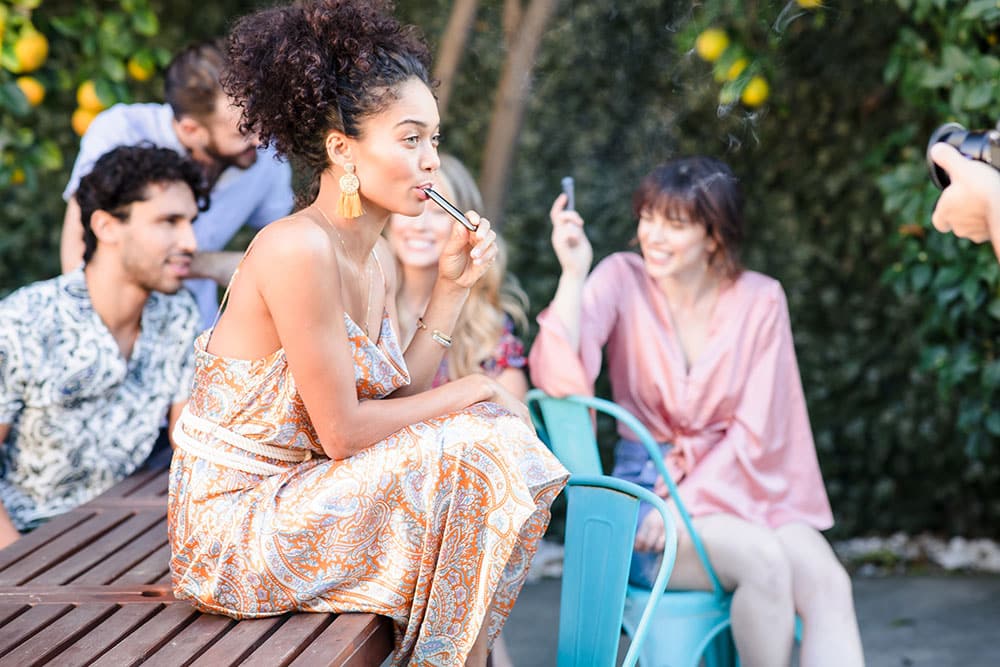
x=316, y=467
x=484, y=339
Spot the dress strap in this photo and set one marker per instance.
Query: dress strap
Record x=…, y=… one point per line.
x=225, y=296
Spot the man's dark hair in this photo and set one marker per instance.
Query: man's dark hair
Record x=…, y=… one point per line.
x=191, y=83
x=123, y=175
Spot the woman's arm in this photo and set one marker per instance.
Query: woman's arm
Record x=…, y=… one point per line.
x=295, y=272
x=575, y=256
x=566, y=356
x=464, y=259
x=515, y=381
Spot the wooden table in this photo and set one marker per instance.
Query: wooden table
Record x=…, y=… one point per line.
x=92, y=587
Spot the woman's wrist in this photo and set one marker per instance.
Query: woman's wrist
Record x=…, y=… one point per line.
x=573, y=279
x=480, y=388
x=450, y=290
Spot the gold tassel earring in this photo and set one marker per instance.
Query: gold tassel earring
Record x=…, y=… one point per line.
x=349, y=204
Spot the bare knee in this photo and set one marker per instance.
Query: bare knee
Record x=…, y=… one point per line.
x=826, y=582
x=766, y=567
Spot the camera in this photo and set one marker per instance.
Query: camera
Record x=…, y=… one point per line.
x=982, y=145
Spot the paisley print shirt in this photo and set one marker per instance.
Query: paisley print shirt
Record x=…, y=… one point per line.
x=81, y=416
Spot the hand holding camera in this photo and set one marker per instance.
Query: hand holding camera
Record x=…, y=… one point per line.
x=965, y=165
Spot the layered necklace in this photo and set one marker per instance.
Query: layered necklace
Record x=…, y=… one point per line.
x=367, y=270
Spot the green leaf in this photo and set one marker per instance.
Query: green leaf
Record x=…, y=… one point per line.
x=955, y=59
x=981, y=9
x=13, y=100
x=936, y=77
x=981, y=96
x=113, y=68
x=50, y=158
x=994, y=308
x=970, y=290
x=145, y=22
x=106, y=91
x=67, y=26
x=920, y=276
x=993, y=422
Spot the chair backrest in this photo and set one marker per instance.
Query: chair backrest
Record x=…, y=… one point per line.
x=600, y=529
x=566, y=427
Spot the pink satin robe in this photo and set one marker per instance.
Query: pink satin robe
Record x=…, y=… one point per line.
x=737, y=418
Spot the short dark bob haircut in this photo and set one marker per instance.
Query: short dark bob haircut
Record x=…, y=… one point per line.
x=702, y=190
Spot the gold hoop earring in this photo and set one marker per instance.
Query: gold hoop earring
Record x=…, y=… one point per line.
x=349, y=204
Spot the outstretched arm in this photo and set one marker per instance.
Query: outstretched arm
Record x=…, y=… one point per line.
x=970, y=205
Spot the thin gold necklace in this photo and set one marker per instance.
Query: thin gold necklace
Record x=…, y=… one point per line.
x=368, y=307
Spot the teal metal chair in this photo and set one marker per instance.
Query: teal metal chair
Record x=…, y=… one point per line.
x=687, y=625
x=600, y=530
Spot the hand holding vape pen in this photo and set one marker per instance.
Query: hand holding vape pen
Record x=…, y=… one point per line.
x=449, y=208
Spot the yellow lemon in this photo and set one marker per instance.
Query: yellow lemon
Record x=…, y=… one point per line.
x=711, y=44
x=81, y=120
x=736, y=68
x=810, y=4
x=138, y=70
x=755, y=92
x=87, y=98
x=17, y=178
x=30, y=50
x=32, y=89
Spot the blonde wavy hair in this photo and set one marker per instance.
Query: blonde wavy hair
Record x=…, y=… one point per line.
x=495, y=297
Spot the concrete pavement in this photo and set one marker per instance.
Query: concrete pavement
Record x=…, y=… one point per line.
x=906, y=621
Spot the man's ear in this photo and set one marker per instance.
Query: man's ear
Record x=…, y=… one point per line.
x=338, y=148
x=192, y=132
x=106, y=227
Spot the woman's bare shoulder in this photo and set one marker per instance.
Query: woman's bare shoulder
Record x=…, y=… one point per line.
x=294, y=241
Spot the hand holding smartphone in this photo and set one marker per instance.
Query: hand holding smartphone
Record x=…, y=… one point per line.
x=567, y=188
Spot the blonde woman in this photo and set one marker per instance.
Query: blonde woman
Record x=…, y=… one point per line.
x=484, y=339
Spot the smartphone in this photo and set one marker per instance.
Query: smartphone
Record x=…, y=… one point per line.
x=567, y=187
x=450, y=208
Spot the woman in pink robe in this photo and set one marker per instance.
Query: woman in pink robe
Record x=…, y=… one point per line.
x=701, y=352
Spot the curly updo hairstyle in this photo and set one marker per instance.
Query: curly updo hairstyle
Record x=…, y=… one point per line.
x=302, y=70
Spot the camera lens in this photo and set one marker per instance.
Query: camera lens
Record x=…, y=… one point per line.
x=952, y=134
x=980, y=145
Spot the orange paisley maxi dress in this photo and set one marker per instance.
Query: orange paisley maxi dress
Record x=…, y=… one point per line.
x=429, y=527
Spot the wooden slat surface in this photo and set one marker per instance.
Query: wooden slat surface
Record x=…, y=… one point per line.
x=62, y=547
x=294, y=636
x=56, y=636
x=25, y=626
x=145, y=555
x=241, y=640
x=105, y=551
x=91, y=646
x=353, y=640
x=92, y=587
x=191, y=641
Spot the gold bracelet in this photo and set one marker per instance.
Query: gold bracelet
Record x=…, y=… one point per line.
x=439, y=337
